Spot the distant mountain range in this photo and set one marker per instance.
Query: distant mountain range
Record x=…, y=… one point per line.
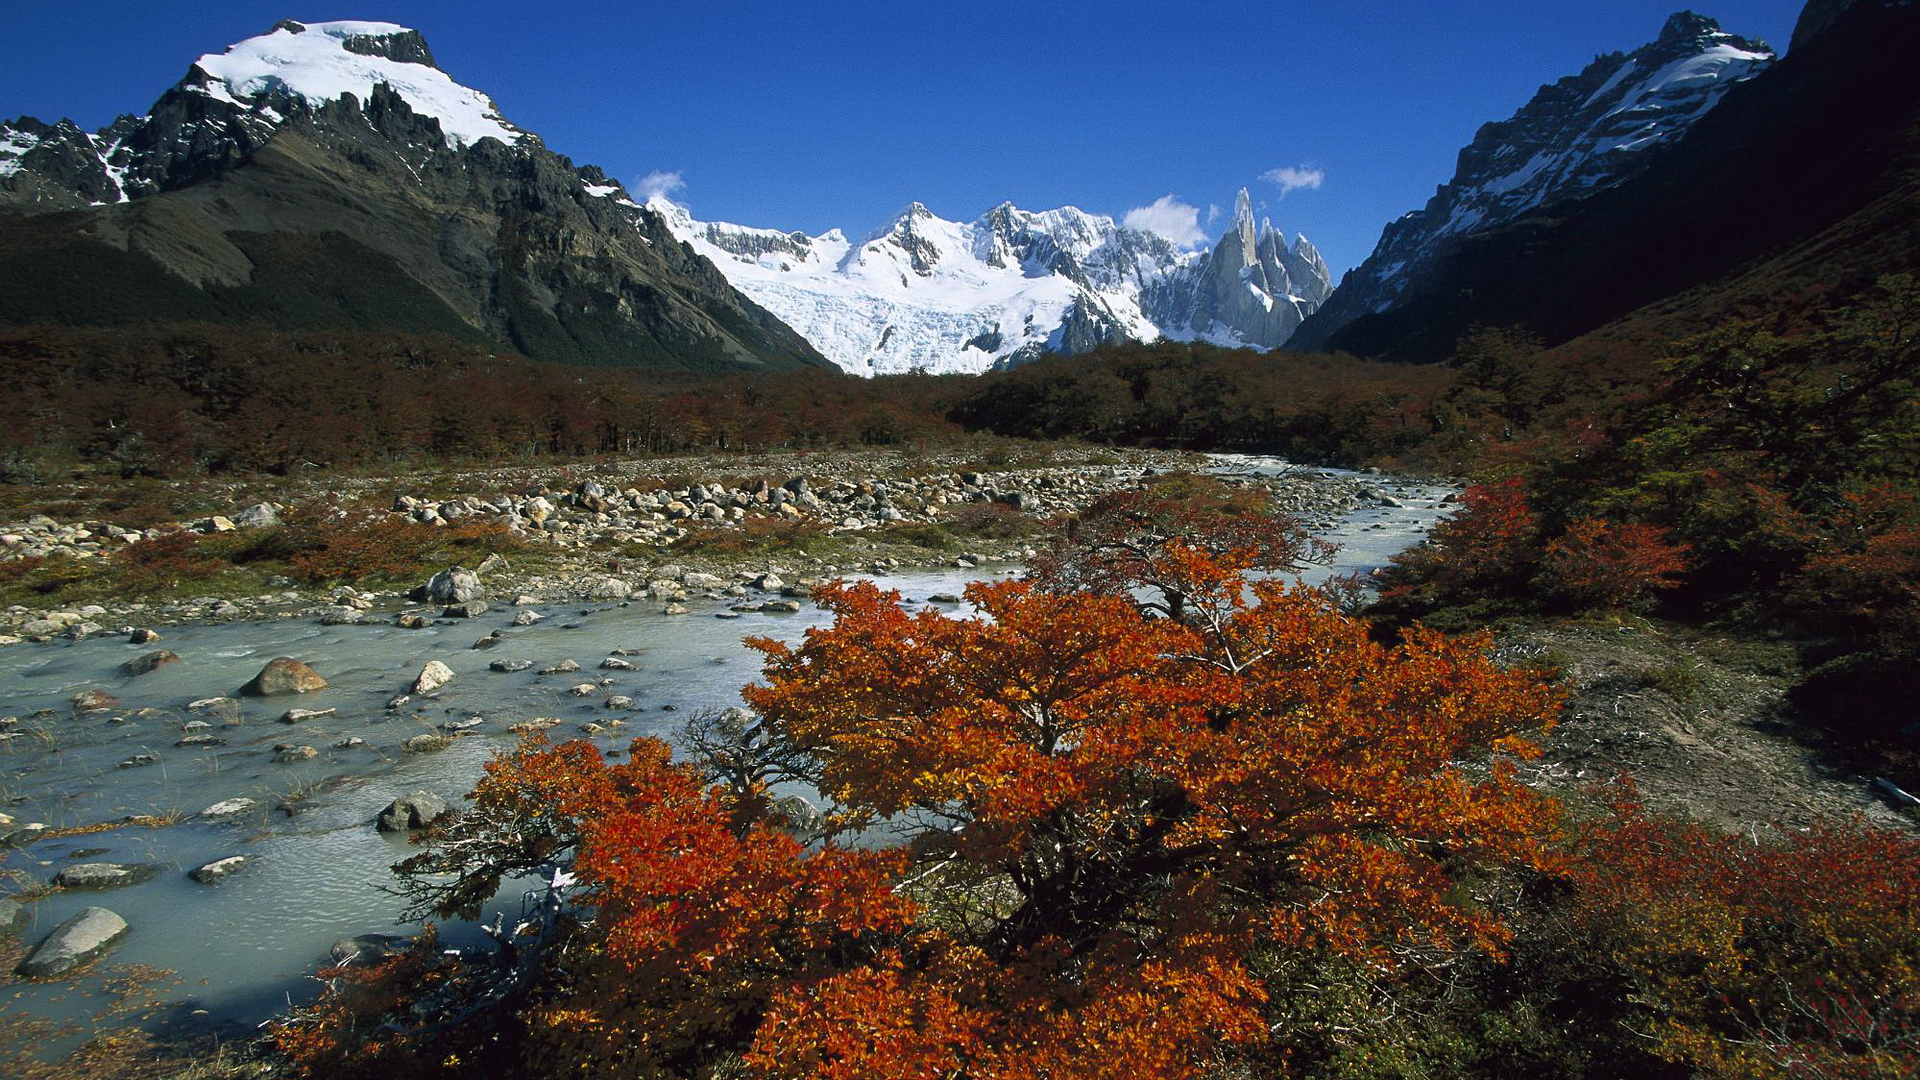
x=922, y=293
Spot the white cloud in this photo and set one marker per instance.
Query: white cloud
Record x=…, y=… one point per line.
x=659, y=183
x=1169, y=217
x=1292, y=178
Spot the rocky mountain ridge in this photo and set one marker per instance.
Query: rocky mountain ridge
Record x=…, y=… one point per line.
x=330, y=176
x=1577, y=136
x=922, y=293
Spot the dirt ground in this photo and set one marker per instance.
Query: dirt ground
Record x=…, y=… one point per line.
x=1700, y=722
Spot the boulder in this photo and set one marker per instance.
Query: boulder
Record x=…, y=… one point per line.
x=509, y=667
x=102, y=875
x=411, y=621
x=433, y=676
x=608, y=588
x=143, y=636
x=367, y=949
x=527, y=618
x=288, y=753
x=454, y=585
x=296, y=716
x=153, y=661
x=92, y=701
x=284, y=675
x=471, y=609
x=218, y=869
x=257, y=516
x=228, y=808
x=415, y=811
x=13, y=919
x=564, y=667
x=73, y=943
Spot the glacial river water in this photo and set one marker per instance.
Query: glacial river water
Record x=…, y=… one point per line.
x=242, y=949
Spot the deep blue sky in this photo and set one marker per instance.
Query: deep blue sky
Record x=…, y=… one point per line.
x=816, y=115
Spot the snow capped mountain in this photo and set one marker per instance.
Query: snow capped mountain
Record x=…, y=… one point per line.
x=330, y=175
x=230, y=102
x=1582, y=134
x=922, y=293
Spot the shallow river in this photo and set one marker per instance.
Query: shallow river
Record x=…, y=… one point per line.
x=241, y=949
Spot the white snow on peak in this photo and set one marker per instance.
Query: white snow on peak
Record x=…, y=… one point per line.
x=922, y=293
x=315, y=64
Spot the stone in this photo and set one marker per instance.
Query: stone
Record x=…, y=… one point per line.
x=101, y=875
x=415, y=811
x=564, y=667
x=427, y=743
x=585, y=689
x=142, y=636
x=538, y=723
x=228, y=808
x=454, y=585
x=218, y=869
x=349, y=743
x=411, y=622
x=527, y=618
x=614, y=663
x=41, y=628
x=200, y=739
x=257, y=516
x=509, y=667
x=137, y=761
x=363, y=949
x=608, y=588
x=619, y=701
x=284, y=675
x=787, y=607
x=73, y=943
x=674, y=609
x=341, y=615
x=13, y=919
x=472, y=609
x=288, y=753
x=213, y=704
x=491, y=641
x=767, y=583
x=701, y=581
x=153, y=661
x=433, y=676
x=92, y=701
x=298, y=716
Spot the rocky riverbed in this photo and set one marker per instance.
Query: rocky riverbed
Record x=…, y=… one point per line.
x=612, y=534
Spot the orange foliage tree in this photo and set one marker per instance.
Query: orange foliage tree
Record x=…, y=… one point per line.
x=1610, y=564
x=1083, y=826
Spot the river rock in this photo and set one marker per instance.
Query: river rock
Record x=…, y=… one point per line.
x=102, y=875
x=426, y=743
x=367, y=949
x=674, y=609
x=341, y=615
x=349, y=743
x=564, y=667
x=608, y=588
x=509, y=667
x=696, y=580
x=454, y=585
x=73, y=943
x=471, y=609
x=433, y=676
x=200, y=738
x=411, y=621
x=614, y=663
x=152, y=661
x=218, y=869
x=527, y=618
x=787, y=607
x=415, y=811
x=284, y=675
x=288, y=753
x=585, y=689
x=142, y=636
x=13, y=919
x=298, y=716
x=228, y=808
x=92, y=701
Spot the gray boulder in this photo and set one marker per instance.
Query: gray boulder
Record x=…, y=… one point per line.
x=259, y=515
x=153, y=661
x=101, y=875
x=471, y=609
x=608, y=588
x=433, y=676
x=454, y=585
x=367, y=949
x=415, y=811
x=73, y=943
x=218, y=869
x=13, y=919
x=284, y=675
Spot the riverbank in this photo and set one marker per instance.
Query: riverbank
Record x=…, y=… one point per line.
x=605, y=533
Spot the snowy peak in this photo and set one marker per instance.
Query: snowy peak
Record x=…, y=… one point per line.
x=321, y=62
x=922, y=293
x=1582, y=134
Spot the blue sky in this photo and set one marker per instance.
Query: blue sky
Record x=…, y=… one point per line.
x=824, y=114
